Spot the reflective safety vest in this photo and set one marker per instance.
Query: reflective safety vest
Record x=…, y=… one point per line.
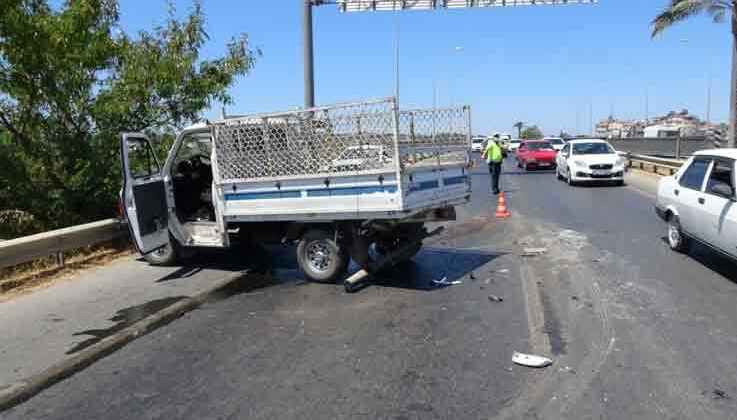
x=493, y=152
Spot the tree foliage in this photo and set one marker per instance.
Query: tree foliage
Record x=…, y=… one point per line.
x=71, y=81
x=679, y=10
x=531, y=133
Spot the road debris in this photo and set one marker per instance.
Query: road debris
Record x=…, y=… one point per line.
x=568, y=370
x=534, y=252
x=496, y=299
x=503, y=271
x=531, y=360
x=574, y=297
x=488, y=281
x=445, y=283
x=472, y=276
x=721, y=395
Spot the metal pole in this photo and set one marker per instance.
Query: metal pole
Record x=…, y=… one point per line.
x=733, y=85
x=678, y=145
x=708, y=99
x=396, y=58
x=308, y=55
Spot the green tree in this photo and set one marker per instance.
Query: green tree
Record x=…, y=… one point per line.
x=71, y=80
x=680, y=10
x=531, y=133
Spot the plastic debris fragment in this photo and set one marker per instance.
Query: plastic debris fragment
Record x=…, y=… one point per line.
x=531, y=360
x=534, y=252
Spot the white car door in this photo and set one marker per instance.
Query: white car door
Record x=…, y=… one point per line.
x=719, y=208
x=144, y=194
x=562, y=158
x=690, y=197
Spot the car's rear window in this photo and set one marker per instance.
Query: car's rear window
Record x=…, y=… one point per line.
x=539, y=146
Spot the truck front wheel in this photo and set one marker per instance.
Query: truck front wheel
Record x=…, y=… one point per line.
x=165, y=256
x=321, y=258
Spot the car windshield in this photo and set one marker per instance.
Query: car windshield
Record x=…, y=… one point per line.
x=592, y=149
x=516, y=141
x=540, y=145
x=478, y=141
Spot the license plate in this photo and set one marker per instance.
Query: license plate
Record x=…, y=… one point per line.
x=600, y=172
x=544, y=164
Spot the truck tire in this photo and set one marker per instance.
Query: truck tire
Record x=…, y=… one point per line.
x=164, y=256
x=321, y=259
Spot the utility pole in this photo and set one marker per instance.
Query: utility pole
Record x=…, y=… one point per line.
x=397, y=29
x=309, y=58
x=708, y=101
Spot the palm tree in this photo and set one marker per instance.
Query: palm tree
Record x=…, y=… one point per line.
x=680, y=10
x=518, y=125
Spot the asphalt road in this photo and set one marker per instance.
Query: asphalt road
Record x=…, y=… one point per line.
x=635, y=331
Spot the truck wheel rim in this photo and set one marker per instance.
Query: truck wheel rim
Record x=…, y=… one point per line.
x=674, y=236
x=162, y=252
x=319, y=256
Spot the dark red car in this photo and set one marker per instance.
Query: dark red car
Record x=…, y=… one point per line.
x=536, y=154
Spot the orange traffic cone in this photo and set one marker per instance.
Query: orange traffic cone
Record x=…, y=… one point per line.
x=501, y=209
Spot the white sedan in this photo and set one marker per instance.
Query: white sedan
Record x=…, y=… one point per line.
x=358, y=158
x=589, y=160
x=477, y=144
x=557, y=142
x=514, y=144
x=698, y=202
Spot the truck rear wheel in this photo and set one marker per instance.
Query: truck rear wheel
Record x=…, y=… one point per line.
x=321, y=258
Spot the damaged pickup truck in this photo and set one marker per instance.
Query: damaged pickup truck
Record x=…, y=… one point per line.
x=344, y=181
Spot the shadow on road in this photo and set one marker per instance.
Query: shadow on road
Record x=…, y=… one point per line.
x=122, y=319
x=434, y=264
x=712, y=260
x=599, y=184
x=532, y=172
x=238, y=258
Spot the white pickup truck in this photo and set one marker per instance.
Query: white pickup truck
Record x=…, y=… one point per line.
x=348, y=180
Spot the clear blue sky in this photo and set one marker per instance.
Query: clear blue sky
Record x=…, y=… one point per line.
x=539, y=64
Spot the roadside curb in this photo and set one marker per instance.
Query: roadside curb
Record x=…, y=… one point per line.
x=23, y=390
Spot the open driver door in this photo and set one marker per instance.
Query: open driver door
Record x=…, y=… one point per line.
x=144, y=194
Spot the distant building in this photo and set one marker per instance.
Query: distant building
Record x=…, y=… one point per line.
x=612, y=128
x=662, y=130
x=670, y=125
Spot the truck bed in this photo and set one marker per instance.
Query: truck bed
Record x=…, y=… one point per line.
x=353, y=161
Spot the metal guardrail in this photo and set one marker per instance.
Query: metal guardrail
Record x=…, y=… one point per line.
x=658, y=165
x=56, y=242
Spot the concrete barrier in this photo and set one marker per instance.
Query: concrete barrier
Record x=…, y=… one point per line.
x=55, y=242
